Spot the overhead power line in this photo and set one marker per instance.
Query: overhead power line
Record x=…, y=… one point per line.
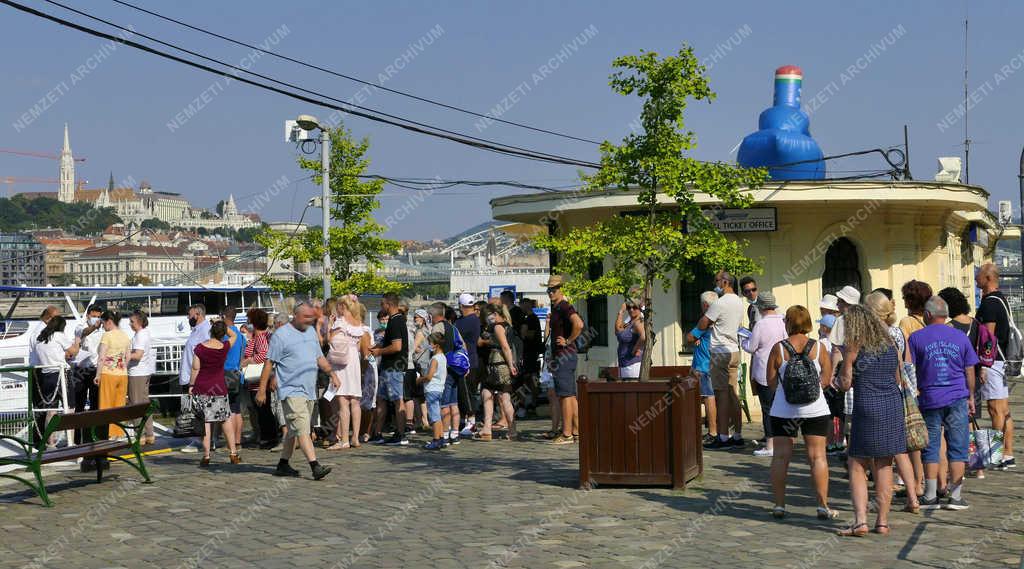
x=351, y=78
x=345, y=107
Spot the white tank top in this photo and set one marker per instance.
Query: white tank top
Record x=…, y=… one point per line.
x=785, y=410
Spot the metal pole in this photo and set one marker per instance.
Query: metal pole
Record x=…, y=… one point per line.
x=325, y=161
x=1020, y=178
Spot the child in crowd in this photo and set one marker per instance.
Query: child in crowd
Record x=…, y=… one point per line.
x=434, y=380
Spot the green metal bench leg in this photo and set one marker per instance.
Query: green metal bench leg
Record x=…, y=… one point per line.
x=134, y=437
x=743, y=391
x=38, y=487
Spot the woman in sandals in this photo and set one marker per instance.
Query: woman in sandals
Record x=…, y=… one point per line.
x=878, y=433
x=350, y=341
x=209, y=390
x=787, y=420
x=501, y=368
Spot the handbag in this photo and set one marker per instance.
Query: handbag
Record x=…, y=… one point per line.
x=917, y=430
x=986, y=447
x=190, y=421
x=252, y=373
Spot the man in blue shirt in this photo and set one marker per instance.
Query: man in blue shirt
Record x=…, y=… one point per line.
x=233, y=372
x=700, y=368
x=294, y=356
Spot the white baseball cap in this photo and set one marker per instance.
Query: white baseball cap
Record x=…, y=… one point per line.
x=849, y=295
x=466, y=299
x=829, y=302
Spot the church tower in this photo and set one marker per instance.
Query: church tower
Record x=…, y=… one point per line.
x=230, y=210
x=66, y=190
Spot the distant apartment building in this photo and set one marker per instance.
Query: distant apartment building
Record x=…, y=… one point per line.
x=114, y=265
x=56, y=248
x=22, y=260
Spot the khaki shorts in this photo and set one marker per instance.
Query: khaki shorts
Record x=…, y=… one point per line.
x=724, y=370
x=297, y=414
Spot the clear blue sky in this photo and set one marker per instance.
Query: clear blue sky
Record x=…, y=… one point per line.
x=119, y=111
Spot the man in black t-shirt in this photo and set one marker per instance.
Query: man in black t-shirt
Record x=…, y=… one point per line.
x=468, y=389
x=393, y=355
x=994, y=312
x=533, y=347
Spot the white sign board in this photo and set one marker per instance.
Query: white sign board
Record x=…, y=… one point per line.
x=743, y=220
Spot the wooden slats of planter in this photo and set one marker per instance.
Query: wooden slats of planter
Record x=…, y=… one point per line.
x=645, y=434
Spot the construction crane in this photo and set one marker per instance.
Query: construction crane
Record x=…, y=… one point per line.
x=32, y=154
x=11, y=180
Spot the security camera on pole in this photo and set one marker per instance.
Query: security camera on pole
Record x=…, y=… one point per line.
x=297, y=131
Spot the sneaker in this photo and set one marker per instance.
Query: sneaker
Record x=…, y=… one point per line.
x=709, y=438
x=718, y=444
x=454, y=440
x=191, y=447
x=764, y=452
x=954, y=504
x=376, y=440
x=737, y=442
x=562, y=440
x=285, y=470
x=929, y=504
x=942, y=493
x=466, y=432
x=319, y=471
x=434, y=445
x=397, y=441
x=1007, y=463
x=410, y=431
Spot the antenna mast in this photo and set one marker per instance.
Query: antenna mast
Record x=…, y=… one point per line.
x=967, y=139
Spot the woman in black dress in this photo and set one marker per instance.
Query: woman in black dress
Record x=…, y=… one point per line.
x=878, y=432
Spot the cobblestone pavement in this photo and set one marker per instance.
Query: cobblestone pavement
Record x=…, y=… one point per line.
x=494, y=504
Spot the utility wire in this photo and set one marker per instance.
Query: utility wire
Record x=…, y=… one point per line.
x=351, y=78
x=284, y=83
x=344, y=107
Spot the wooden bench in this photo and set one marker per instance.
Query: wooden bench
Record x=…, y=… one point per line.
x=131, y=418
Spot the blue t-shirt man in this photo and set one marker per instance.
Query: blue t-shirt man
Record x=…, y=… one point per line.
x=295, y=355
x=702, y=355
x=234, y=360
x=941, y=355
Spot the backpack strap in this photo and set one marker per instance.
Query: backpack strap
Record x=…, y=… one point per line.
x=789, y=348
x=807, y=347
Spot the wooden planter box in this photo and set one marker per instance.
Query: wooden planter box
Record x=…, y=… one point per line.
x=640, y=433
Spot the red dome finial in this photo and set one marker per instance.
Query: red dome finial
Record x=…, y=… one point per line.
x=789, y=70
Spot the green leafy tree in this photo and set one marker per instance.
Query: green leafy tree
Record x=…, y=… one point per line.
x=670, y=232
x=134, y=280
x=354, y=235
x=154, y=223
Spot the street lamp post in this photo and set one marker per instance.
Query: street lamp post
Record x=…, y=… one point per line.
x=308, y=122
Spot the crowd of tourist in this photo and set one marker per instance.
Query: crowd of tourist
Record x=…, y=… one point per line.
x=862, y=387
x=851, y=384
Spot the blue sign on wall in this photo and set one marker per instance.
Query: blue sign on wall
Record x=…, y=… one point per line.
x=496, y=290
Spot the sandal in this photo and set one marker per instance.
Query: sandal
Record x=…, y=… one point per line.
x=550, y=434
x=779, y=512
x=338, y=446
x=355, y=444
x=854, y=531
x=204, y=462
x=881, y=529
x=827, y=514
x=482, y=436
x=912, y=508
x=235, y=459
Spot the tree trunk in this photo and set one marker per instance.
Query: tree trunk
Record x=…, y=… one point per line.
x=648, y=356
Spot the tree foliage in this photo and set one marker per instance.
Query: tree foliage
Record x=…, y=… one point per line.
x=20, y=213
x=134, y=280
x=354, y=235
x=668, y=233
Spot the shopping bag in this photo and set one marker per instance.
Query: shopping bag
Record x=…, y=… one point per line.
x=986, y=447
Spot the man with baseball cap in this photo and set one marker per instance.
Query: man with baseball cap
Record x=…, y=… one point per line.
x=566, y=325
x=469, y=385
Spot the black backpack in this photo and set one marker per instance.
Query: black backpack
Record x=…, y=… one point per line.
x=801, y=384
x=515, y=345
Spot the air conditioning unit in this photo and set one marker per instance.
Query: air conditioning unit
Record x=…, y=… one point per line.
x=949, y=169
x=1005, y=212
x=292, y=132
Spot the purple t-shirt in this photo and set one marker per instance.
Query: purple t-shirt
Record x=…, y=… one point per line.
x=941, y=355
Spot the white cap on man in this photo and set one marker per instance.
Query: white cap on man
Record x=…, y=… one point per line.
x=849, y=295
x=466, y=299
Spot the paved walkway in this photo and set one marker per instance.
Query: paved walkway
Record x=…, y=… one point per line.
x=511, y=504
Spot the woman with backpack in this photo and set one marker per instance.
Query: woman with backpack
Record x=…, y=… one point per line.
x=878, y=432
x=501, y=368
x=799, y=368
